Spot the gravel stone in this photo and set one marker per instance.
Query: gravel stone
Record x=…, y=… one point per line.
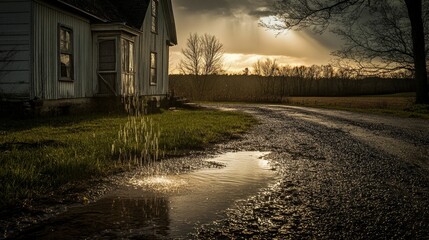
x=342, y=175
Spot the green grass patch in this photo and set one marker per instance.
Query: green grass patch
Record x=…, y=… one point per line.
x=401, y=105
x=40, y=155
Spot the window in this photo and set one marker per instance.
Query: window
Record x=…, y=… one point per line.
x=128, y=84
x=65, y=58
x=153, y=70
x=127, y=56
x=154, y=16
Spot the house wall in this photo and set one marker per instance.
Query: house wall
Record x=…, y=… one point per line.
x=46, y=84
x=15, y=53
x=157, y=43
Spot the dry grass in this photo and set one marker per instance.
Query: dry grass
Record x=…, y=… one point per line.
x=353, y=102
x=397, y=104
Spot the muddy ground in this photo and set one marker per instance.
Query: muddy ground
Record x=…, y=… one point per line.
x=341, y=176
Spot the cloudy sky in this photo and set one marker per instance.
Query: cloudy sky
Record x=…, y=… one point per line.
x=235, y=24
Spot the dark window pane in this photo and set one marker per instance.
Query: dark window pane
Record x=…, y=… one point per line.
x=127, y=56
x=107, y=56
x=154, y=24
x=153, y=76
x=62, y=46
x=65, y=40
x=65, y=53
x=153, y=60
x=153, y=67
x=131, y=57
x=154, y=8
x=154, y=16
x=68, y=37
x=66, y=66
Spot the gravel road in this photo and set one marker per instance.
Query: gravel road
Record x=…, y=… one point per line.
x=342, y=175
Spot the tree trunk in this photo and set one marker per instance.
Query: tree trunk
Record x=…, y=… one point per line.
x=414, y=8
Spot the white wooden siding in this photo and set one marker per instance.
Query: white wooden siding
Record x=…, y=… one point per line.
x=46, y=84
x=157, y=43
x=15, y=45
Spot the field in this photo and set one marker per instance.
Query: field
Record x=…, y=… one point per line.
x=372, y=95
x=40, y=155
x=401, y=105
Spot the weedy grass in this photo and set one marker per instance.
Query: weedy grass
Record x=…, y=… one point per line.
x=40, y=155
x=401, y=105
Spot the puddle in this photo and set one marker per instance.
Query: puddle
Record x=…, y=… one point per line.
x=163, y=206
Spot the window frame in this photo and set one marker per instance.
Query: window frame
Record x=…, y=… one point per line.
x=153, y=69
x=154, y=16
x=61, y=52
x=128, y=60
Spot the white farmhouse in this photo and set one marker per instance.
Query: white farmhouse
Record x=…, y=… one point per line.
x=68, y=52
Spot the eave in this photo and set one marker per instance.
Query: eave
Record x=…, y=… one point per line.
x=115, y=27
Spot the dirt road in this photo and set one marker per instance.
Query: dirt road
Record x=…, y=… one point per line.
x=342, y=176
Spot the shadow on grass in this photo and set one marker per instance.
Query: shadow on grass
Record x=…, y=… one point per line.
x=7, y=146
x=15, y=124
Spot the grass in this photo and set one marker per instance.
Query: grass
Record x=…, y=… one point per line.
x=401, y=105
x=40, y=155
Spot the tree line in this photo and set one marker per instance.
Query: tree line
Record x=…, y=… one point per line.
x=271, y=68
x=380, y=36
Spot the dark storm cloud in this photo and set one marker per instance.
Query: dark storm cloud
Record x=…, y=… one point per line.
x=255, y=8
x=203, y=7
x=261, y=12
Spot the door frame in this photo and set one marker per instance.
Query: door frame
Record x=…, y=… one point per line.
x=115, y=91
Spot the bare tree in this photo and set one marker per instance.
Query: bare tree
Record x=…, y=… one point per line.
x=327, y=71
x=192, y=56
x=212, y=54
x=203, y=55
x=299, y=71
x=285, y=71
x=381, y=36
x=266, y=68
x=257, y=68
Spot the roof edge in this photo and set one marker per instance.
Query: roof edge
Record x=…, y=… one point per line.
x=82, y=11
x=171, y=24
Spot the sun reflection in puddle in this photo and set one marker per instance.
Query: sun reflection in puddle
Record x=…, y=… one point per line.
x=165, y=206
x=159, y=183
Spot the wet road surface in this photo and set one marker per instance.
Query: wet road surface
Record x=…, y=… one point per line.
x=340, y=175
x=343, y=176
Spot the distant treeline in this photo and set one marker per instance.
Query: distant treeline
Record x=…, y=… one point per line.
x=276, y=88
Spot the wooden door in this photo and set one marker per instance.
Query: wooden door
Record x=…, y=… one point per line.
x=106, y=72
